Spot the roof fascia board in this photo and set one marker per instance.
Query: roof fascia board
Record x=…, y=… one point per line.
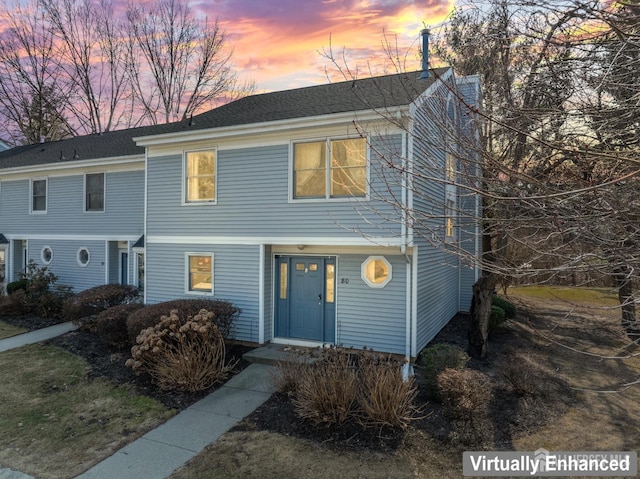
x=271, y=126
x=126, y=162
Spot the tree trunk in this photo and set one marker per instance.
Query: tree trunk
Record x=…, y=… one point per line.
x=624, y=283
x=480, y=312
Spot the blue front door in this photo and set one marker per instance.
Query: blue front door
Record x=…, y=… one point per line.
x=305, y=298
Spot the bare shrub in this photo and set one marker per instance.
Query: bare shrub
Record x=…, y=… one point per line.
x=111, y=324
x=327, y=392
x=384, y=398
x=93, y=301
x=286, y=376
x=463, y=391
x=187, y=356
x=438, y=357
x=521, y=376
x=224, y=314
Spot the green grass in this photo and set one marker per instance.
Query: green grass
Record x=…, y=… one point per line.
x=55, y=422
x=592, y=296
x=7, y=330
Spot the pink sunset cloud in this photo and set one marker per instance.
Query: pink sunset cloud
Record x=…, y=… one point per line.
x=279, y=44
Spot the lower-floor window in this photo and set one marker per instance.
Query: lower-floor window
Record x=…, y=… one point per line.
x=200, y=273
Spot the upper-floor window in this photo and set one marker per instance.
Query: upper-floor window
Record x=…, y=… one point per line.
x=200, y=176
x=450, y=167
x=330, y=169
x=94, y=192
x=39, y=195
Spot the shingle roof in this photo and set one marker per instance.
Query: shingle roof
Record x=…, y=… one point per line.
x=363, y=94
x=3, y=239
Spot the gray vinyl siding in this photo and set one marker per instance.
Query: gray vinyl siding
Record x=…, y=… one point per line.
x=438, y=281
x=236, y=277
x=371, y=317
x=124, y=207
x=470, y=202
x=64, y=263
x=253, y=199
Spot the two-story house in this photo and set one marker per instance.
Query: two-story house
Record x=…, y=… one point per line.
x=318, y=210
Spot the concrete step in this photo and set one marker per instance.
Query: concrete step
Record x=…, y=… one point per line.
x=272, y=354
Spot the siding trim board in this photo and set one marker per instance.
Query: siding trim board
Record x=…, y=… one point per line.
x=286, y=241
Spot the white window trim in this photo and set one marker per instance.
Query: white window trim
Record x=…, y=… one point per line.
x=83, y=265
x=187, y=273
x=185, y=202
x=363, y=272
x=44, y=261
x=104, y=193
x=340, y=199
x=46, y=195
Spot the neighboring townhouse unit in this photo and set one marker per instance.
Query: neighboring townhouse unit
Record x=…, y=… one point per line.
x=297, y=206
x=76, y=206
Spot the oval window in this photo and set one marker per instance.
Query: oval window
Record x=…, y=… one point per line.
x=376, y=271
x=83, y=257
x=46, y=254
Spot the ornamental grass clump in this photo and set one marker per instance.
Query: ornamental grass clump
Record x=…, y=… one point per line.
x=385, y=398
x=182, y=355
x=327, y=393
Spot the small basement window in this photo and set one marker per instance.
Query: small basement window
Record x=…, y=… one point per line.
x=376, y=271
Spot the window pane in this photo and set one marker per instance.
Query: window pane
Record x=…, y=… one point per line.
x=346, y=153
x=310, y=155
x=200, y=273
x=348, y=181
x=331, y=283
x=348, y=167
x=283, y=280
x=39, y=200
x=300, y=266
x=310, y=169
x=377, y=271
x=200, y=171
x=310, y=184
x=94, y=185
x=40, y=188
x=201, y=188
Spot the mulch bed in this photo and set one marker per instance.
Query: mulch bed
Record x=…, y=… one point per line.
x=504, y=418
x=109, y=362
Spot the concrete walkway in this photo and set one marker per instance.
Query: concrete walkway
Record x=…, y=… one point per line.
x=36, y=336
x=157, y=454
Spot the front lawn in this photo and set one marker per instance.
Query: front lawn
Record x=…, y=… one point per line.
x=7, y=330
x=56, y=422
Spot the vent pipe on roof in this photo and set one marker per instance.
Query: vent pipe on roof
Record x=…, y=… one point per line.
x=425, y=53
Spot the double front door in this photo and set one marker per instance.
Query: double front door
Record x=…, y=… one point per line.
x=305, y=298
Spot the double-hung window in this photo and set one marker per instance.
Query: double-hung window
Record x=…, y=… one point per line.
x=200, y=176
x=199, y=278
x=39, y=195
x=332, y=168
x=450, y=196
x=94, y=192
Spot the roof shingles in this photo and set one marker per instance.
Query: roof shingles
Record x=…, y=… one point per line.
x=363, y=94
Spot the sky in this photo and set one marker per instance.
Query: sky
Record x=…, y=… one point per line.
x=279, y=43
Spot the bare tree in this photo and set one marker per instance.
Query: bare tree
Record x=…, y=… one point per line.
x=32, y=94
x=560, y=202
x=90, y=67
x=179, y=64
